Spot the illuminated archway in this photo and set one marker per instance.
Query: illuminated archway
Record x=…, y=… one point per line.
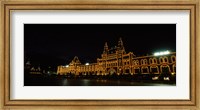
x=112, y=71
x=154, y=69
x=145, y=70
x=165, y=69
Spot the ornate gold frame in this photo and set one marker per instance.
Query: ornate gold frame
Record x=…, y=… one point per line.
x=8, y=5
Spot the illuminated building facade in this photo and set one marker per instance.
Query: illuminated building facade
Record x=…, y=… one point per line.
x=116, y=60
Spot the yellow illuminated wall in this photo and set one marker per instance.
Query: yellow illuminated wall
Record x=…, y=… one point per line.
x=115, y=60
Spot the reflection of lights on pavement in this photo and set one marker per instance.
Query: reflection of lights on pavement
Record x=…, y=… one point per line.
x=86, y=82
x=65, y=82
x=155, y=78
x=173, y=73
x=166, y=78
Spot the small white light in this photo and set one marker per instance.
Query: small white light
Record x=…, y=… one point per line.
x=167, y=52
x=67, y=66
x=166, y=78
x=156, y=54
x=155, y=78
x=86, y=63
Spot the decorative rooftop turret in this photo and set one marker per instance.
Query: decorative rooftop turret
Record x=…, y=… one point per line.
x=105, y=48
x=120, y=47
x=120, y=44
x=75, y=61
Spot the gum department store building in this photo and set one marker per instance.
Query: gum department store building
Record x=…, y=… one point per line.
x=117, y=61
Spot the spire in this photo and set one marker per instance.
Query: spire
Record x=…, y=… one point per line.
x=76, y=59
x=120, y=43
x=105, y=48
x=121, y=48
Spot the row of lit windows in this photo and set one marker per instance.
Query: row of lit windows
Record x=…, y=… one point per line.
x=87, y=67
x=143, y=69
x=144, y=62
x=108, y=65
x=112, y=64
x=126, y=63
x=115, y=64
x=154, y=60
x=135, y=62
x=111, y=56
x=154, y=70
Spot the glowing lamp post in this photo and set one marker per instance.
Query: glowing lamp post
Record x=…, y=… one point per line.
x=161, y=53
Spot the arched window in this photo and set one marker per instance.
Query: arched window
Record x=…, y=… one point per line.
x=165, y=59
x=173, y=58
x=145, y=61
x=134, y=62
x=155, y=60
x=150, y=60
x=161, y=60
x=141, y=61
x=137, y=62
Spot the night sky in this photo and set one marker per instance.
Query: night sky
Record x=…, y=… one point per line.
x=57, y=44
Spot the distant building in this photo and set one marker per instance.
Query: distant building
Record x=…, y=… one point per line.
x=27, y=65
x=30, y=69
x=35, y=70
x=116, y=60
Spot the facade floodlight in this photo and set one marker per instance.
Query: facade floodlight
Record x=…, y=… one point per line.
x=161, y=53
x=86, y=63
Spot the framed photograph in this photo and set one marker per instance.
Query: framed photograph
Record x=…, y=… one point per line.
x=114, y=54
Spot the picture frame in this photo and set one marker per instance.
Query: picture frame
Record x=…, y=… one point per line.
x=12, y=5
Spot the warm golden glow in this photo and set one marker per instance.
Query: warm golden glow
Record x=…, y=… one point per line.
x=116, y=61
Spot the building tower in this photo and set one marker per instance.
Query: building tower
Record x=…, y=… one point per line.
x=120, y=52
x=104, y=56
x=105, y=51
x=121, y=48
x=74, y=64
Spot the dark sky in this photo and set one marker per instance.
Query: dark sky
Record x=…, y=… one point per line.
x=57, y=44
